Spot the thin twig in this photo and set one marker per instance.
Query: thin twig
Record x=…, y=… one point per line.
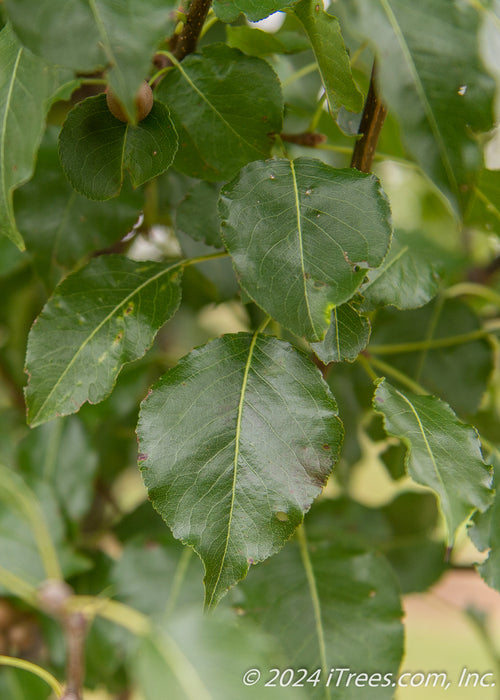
x=372, y=121
x=306, y=138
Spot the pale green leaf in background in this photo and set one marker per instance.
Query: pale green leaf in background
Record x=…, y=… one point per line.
x=302, y=235
x=224, y=106
x=483, y=208
x=327, y=43
x=432, y=78
x=443, y=453
x=346, y=337
x=27, y=85
x=96, y=34
x=235, y=443
x=195, y=656
x=99, y=318
x=96, y=148
x=485, y=532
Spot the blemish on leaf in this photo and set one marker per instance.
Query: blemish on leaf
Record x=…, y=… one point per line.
x=118, y=338
x=141, y=457
x=129, y=309
x=326, y=447
x=251, y=561
x=281, y=516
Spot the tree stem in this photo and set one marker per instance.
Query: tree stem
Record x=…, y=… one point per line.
x=372, y=121
x=195, y=19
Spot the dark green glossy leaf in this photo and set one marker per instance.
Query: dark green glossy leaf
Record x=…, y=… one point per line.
x=22, y=117
x=459, y=370
x=326, y=39
x=96, y=148
x=442, y=452
x=62, y=455
x=331, y=605
x=229, y=10
x=224, y=106
x=235, y=442
x=406, y=279
x=197, y=214
x=301, y=235
x=431, y=77
x=59, y=225
x=206, y=657
x=346, y=337
x=256, y=42
x=99, y=318
x=97, y=33
x=484, y=206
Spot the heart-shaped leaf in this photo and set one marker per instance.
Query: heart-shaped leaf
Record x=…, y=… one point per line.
x=95, y=34
x=443, y=453
x=96, y=148
x=224, y=106
x=301, y=235
x=99, y=318
x=235, y=442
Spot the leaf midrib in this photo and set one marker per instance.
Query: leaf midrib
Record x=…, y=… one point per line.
x=429, y=450
x=301, y=249
x=115, y=309
x=236, y=458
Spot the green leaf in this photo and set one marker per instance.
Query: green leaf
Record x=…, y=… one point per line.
x=301, y=235
x=346, y=337
x=96, y=148
x=459, y=370
x=485, y=533
x=206, y=657
x=331, y=605
x=326, y=39
x=22, y=117
x=432, y=78
x=403, y=530
x=229, y=10
x=60, y=226
x=99, y=318
x=256, y=42
x=236, y=441
x=61, y=454
x=484, y=205
x=443, y=453
x=95, y=34
x=224, y=106
x=157, y=575
x=197, y=214
x=19, y=544
x=406, y=279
